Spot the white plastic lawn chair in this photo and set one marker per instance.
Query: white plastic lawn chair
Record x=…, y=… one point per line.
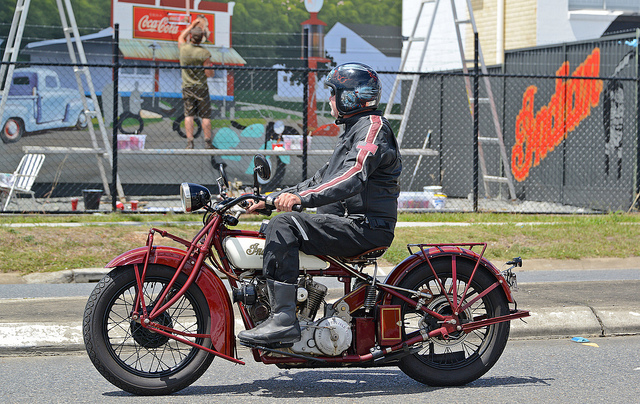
x=21, y=181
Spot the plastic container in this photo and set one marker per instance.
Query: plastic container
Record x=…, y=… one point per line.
x=412, y=200
x=91, y=198
x=439, y=201
x=430, y=192
x=131, y=142
x=294, y=142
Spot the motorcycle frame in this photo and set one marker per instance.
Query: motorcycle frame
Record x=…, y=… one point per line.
x=210, y=238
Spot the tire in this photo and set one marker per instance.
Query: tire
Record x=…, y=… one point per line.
x=127, y=129
x=464, y=357
x=178, y=126
x=12, y=130
x=134, y=359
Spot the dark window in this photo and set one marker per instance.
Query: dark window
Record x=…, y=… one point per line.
x=50, y=82
x=21, y=81
x=343, y=45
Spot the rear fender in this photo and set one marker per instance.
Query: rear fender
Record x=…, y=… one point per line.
x=222, y=333
x=410, y=263
x=18, y=111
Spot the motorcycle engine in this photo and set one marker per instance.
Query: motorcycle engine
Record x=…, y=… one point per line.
x=254, y=295
x=331, y=335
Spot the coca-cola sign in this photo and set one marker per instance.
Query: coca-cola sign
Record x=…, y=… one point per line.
x=153, y=23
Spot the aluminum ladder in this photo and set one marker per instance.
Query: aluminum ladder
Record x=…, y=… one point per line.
x=10, y=55
x=507, y=178
x=69, y=27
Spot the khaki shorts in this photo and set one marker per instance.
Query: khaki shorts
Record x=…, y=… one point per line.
x=197, y=102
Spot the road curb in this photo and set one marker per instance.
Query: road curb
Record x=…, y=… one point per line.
x=557, y=322
x=90, y=275
x=23, y=336
x=82, y=275
x=18, y=339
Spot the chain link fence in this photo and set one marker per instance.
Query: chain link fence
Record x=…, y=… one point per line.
x=553, y=130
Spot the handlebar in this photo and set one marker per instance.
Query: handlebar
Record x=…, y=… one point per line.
x=269, y=202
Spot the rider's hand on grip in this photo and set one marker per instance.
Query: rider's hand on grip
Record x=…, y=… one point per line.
x=285, y=202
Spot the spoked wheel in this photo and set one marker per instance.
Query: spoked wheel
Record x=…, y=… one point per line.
x=461, y=357
x=133, y=357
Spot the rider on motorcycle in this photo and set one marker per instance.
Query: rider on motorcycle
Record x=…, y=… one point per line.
x=356, y=195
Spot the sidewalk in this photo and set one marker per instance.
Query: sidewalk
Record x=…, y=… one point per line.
x=558, y=309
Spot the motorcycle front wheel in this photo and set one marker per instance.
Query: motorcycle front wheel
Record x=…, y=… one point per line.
x=461, y=357
x=134, y=358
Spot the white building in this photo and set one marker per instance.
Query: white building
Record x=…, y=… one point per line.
x=376, y=46
x=505, y=25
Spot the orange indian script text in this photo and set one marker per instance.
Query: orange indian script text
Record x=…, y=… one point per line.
x=570, y=104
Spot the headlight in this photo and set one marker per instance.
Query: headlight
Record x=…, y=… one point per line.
x=193, y=197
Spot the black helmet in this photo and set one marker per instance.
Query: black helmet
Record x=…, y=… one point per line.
x=356, y=87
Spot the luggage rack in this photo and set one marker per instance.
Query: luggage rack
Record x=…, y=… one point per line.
x=441, y=247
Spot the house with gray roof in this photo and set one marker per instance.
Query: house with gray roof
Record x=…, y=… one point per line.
x=377, y=46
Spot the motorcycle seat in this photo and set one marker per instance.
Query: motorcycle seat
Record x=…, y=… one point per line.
x=366, y=256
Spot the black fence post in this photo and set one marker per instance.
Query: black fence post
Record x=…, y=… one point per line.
x=441, y=132
x=305, y=101
x=476, y=94
x=635, y=203
x=114, y=142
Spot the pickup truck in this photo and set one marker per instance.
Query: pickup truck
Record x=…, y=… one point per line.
x=36, y=102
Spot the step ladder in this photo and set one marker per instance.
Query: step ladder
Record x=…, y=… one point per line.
x=507, y=178
x=10, y=55
x=70, y=27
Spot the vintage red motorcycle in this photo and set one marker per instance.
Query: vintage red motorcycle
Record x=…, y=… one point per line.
x=155, y=323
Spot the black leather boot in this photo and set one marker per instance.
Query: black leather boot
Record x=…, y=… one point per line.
x=281, y=328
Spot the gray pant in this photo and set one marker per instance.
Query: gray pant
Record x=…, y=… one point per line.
x=315, y=234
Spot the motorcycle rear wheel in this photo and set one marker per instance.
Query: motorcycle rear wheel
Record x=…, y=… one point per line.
x=133, y=358
x=463, y=357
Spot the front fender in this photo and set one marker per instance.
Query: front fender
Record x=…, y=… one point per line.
x=162, y=255
x=220, y=308
x=411, y=262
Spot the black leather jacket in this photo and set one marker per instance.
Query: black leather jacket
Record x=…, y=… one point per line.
x=360, y=179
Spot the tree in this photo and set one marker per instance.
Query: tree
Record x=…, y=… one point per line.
x=43, y=19
x=267, y=32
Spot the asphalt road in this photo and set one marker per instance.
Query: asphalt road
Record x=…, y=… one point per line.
x=563, y=303
x=529, y=371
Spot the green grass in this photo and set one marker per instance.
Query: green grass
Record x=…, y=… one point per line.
x=583, y=237
x=40, y=248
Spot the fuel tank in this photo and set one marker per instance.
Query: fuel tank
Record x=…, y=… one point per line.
x=246, y=252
